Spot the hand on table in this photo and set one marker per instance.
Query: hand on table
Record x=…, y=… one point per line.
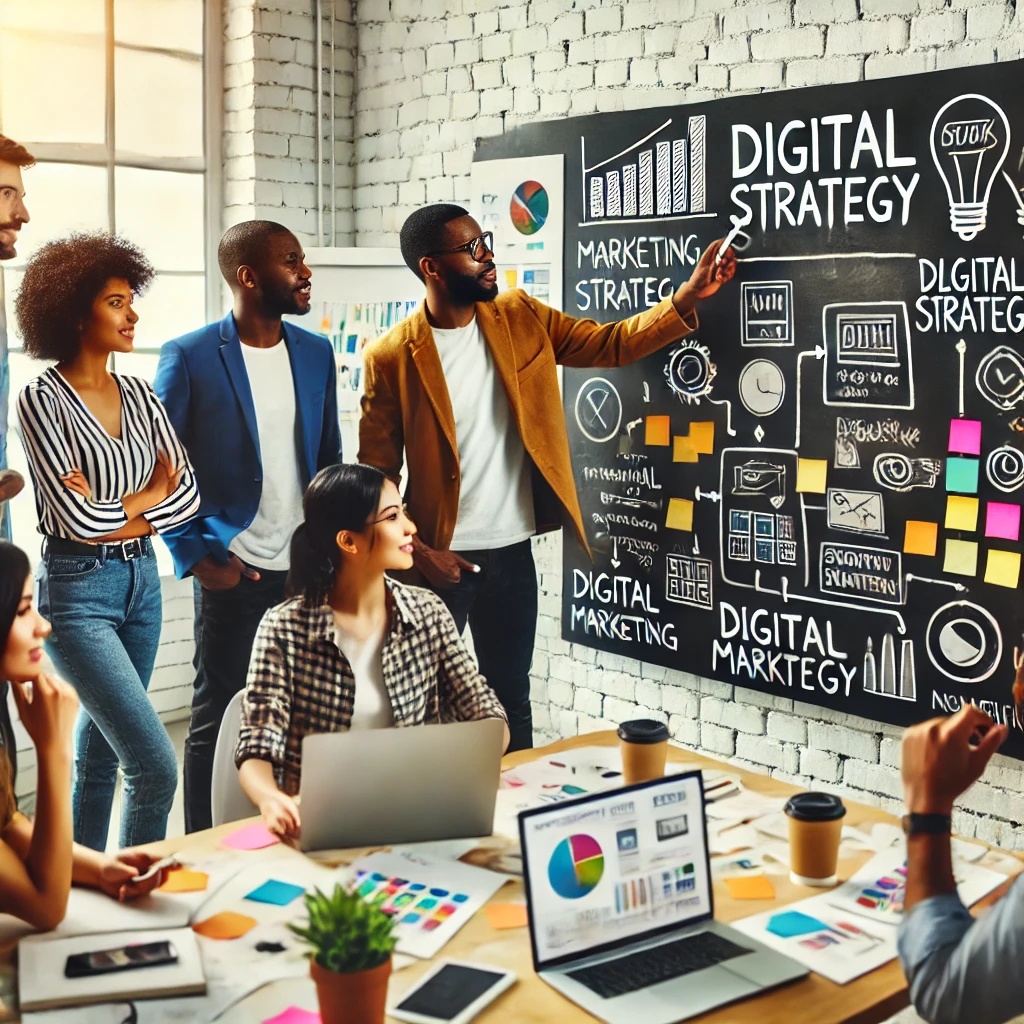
x=280, y=814
x=117, y=873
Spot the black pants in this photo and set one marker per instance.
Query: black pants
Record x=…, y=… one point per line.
x=500, y=604
x=226, y=623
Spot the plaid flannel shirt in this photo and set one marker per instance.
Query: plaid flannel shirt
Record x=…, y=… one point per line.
x=300, y=683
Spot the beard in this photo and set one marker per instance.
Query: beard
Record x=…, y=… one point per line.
x=7, y=249
x=467, y=288
x=283, y=301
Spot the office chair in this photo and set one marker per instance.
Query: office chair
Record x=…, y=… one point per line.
x=227, y=798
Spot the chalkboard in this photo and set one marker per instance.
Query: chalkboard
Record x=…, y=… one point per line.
x=818, y=493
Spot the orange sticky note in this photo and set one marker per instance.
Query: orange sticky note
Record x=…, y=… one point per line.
x=961, y=513
x=1003, y=568
x=961, y=557
x=226, y=925
x=703, y=437
x=658, y=431
x=506, y=915
x=920, y=538
x=810, y=475
x=683, y=450
x=750, y=887
x=183, y=880
x=680, y=514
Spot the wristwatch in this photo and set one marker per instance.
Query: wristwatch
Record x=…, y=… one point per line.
x=927, y=824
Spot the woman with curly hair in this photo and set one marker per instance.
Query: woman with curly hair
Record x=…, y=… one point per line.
x=108, y=471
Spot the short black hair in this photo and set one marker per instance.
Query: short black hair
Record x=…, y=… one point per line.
x=243, y=246
x=423, y=232
x=61, y=282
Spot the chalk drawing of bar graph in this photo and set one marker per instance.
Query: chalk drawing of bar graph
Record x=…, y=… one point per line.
x=658, y=177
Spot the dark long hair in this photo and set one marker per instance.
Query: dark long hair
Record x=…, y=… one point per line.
x=340, y=497
x=14, y=568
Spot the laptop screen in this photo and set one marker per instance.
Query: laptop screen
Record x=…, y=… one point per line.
x=612, y=868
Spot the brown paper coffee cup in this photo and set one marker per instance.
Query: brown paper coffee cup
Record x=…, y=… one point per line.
x=815, y=828
x=643, y=743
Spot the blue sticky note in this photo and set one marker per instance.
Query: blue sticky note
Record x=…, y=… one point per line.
x=278, y=893
x=791, y=923
x=962, y=475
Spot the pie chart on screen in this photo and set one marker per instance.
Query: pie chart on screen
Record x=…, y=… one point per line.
x=529, y=207
x=576, y=866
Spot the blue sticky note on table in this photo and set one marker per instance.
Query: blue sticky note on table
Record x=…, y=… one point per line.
x=278, y=893
x=962, y=475
x=791, y=923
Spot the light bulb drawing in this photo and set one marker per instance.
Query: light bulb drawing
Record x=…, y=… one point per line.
x=970, y=138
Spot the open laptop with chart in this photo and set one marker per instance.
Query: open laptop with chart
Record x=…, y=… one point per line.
x=370, y=787
x=621, y=909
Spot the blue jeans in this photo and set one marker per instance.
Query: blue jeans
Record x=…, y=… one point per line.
x=106, y=616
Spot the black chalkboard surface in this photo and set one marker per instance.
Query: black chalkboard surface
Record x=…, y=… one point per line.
x=818, y=493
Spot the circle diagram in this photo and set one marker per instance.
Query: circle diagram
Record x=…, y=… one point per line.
x=964, y=642
x=576, y=866
x=598, y=410
x=529, y=207
x=762, y=387
x=689, y=371
x=1005, y=468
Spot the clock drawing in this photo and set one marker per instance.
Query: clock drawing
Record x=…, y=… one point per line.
x=762, y=387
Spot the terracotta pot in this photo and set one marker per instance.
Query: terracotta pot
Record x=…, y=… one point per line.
x=355, y=998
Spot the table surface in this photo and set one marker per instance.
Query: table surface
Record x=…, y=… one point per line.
x=871, y=998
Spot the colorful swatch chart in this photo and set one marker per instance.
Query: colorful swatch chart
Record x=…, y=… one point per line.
x=660, y=888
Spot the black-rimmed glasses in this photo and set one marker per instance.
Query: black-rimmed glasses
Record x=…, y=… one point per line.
x=477, y=248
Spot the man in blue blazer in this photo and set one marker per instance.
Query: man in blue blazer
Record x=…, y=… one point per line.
x=254, y=402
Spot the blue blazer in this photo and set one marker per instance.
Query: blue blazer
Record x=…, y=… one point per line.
x=202, y=381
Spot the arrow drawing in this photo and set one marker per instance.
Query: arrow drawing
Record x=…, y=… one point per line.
x=728, y=410
x=818, y=353
x=961, y=347
x=615, y=552
x=710, y=495
x=631, y=424
x=942, y=583
x=647, y=392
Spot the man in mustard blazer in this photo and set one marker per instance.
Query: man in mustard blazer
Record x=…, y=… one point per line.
x=467, y=387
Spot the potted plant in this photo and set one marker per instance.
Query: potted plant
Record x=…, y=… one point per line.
x=350, y=944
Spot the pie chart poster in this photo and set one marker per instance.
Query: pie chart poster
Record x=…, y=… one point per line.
x=817, y=494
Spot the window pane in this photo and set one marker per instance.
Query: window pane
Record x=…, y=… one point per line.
x=173, y=306
x=45, y=15
x=24, y=523
x=158, y=104
x=167, y=24
x=163, y=212
x=43, y=104
x=62, y=198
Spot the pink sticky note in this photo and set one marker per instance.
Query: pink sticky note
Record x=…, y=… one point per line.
x=250, y=837
x=1002, y=520
x=965, y=436
x=294, y=1015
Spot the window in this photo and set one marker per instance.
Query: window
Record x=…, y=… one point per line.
x=109, y=97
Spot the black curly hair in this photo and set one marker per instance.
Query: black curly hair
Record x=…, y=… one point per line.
x=61, y=282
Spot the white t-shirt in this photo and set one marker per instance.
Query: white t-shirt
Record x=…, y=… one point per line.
x=496, y=493
x=265, y=543
x=372, y=706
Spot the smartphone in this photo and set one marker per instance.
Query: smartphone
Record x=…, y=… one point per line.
x=124, y=958
x=452, y=993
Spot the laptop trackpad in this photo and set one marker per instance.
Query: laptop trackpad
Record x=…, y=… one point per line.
x=764, y=969
x=694, y=993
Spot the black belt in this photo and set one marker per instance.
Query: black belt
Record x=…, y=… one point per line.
x=126, y=550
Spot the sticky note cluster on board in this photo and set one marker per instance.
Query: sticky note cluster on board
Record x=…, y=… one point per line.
x=691, y=446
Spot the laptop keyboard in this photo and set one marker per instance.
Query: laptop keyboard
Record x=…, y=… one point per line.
x=660, y=963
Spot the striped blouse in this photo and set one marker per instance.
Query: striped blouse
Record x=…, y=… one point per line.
x=60, y=434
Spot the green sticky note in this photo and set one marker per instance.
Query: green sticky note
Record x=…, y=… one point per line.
x=962, y=475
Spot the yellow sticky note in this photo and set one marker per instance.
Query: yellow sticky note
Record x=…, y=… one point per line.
x=1003, y=568
x=680, y=514
x=226, y=925
x=961, y=513
x=961, y=557
x=183, y=880
x=506, y=915
x=750, y=887
x=703, y=437
x=658, y=431
x=920, y=538
x=683, y=450
x=810, y=475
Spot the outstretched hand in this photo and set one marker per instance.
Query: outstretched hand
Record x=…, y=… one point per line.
x=708, y=276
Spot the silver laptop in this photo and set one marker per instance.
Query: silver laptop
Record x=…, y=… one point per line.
x=369, y=787
x=622, y=917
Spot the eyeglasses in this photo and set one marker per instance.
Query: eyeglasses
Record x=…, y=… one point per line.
x=476, y=248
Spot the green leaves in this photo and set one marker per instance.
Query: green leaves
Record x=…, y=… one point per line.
x=344, y=933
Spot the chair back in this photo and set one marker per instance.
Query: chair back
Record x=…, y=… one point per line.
x=227, y=798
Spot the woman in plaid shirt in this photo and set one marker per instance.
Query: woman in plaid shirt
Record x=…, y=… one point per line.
x=351, y=648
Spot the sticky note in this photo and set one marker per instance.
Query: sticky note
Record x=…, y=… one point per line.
x=658, y=431
x=250, y=837
x=680, y=514
x=961, y=557
x=703, y=437
x=750, y=887
x=791, y=923
x=226, y=925
x=505, y=915
x=280, y=894
x=920, y=537
x=961, y=513
x=1003, y=568
x=965, y=436
x=1002, y=520
x=295, y=1015
x=183, y=880
x=962, y=475
x=810, y=475
x=683, y=450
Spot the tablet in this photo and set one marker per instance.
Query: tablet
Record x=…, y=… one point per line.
x=452, y=993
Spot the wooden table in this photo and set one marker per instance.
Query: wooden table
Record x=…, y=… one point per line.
x=813, y=1000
